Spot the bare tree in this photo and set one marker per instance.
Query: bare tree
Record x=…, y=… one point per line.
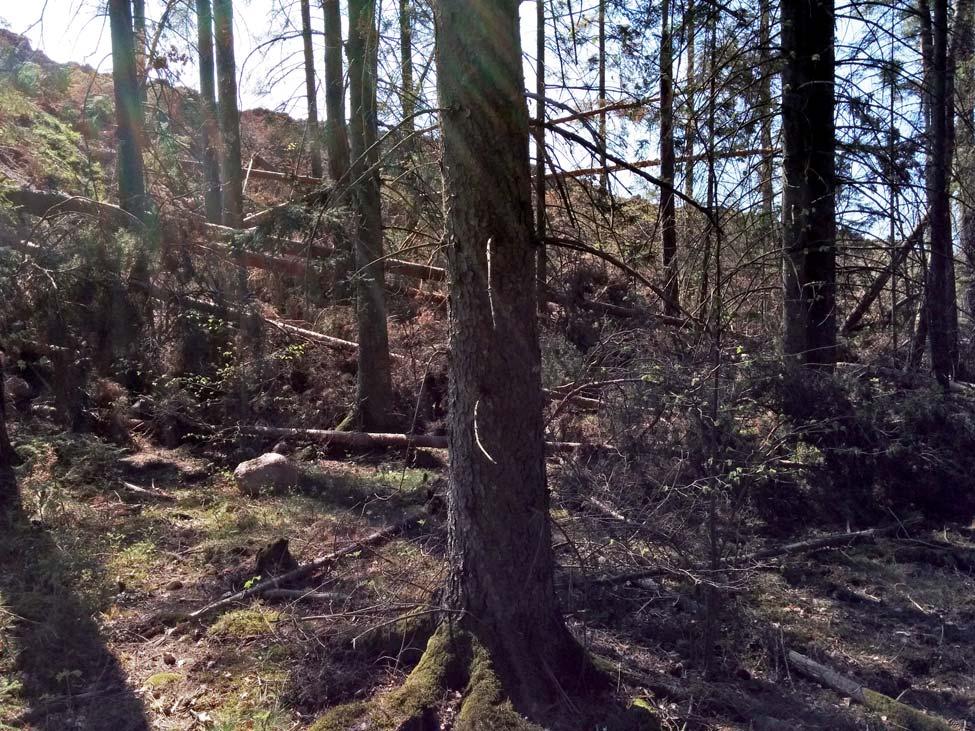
x=374, y=386
x=499, y=504
x=668, y=217
x=128, y=110
x=809, y=200
x=208, y=107
x=311, y=92
x=233, y=179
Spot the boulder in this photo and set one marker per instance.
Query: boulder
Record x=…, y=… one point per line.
x=270, y=472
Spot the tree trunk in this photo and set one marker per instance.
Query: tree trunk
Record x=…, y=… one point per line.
x=374, y=388
x=939, y=211
x=965, y=144
x=311, y=91
x=541, y=257
x=766, y=169
x=208, y=106
x=604, y=178
x=668, y=219
x=128, y=110
x=336, y=131
x=233, y=179
x=690, y=125
x=8, y=457
x=408, y=92
x=499, y=539
x=809, y=198
x=139, y=30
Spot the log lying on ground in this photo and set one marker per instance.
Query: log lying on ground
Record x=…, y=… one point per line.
x=43, y=203
x=368, y=441
x=380, y=536
x=813, y=544
x=898, y=715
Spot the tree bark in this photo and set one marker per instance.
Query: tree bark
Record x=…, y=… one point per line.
x=311, y=92
x=139, y=30
x=690, y=124
x=336, y=130
x=809, y=205
x=8, y=457
x=128, y=110
x=964, y=39
x=498, y=513
x=541, y=254
x=604, y=178
x=233, y=181
x=408, y=92
x=374, y=390
x=208, y=106
x=766, y=169
x=668, y=215
x=939, y=205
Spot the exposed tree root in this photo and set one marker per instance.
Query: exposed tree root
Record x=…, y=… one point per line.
x=454, y=665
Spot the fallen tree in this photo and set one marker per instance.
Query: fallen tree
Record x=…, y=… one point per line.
x=897, y=714
x=370, y=440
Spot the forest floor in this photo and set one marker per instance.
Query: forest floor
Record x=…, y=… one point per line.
x=97, y=581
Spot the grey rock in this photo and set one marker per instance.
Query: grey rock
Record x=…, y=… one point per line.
x=269, y=472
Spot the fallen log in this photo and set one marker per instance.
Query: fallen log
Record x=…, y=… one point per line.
x=367, y=440
x=43, y=203
x=380, y=536
x=898, y=715
x=813, y=544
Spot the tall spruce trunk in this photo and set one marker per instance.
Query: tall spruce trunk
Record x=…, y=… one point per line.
x=809, y=196
x=541, y=254
x=766, y=169
x=8, y=457
x=668, y=214
x=208, y=106
x=337, y=133
x=311, y=92
x=374, y=385
x=499, y=539
x=964, y=157
x=139, y=29
x=939, y=206
x=128, y=110
x=690, y=79
x=408, y=92
x=233, y=178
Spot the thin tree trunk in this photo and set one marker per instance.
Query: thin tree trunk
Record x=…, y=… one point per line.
x=668, y=216
x=374, y=387
x=128, y=110
x=336, y=133
x=809, y=205
x=499, y=537
x=311, y=92
x=139, y=29
x=408, y=92
x=690, y=79
x=233, y=179
x=767, y=167
x=8, y=457
x=541, y=256
x=939, y=213
x=964, y=158
x=208, y=105
x=604, y=178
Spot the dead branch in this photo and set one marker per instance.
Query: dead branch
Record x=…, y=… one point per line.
x=380, y=536
x=367, y=441
x=898, y=714
x=150, y=492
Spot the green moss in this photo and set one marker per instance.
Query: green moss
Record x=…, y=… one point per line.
x=485, y=706
x=902, y=716
x=252, y=622
x=342, y=718
x=161, y=680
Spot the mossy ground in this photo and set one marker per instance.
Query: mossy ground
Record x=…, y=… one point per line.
x=98, y=583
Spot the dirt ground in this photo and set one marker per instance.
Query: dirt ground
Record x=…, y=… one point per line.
x=98, y=579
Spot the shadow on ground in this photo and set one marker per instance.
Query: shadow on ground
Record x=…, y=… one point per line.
x=58, y=672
